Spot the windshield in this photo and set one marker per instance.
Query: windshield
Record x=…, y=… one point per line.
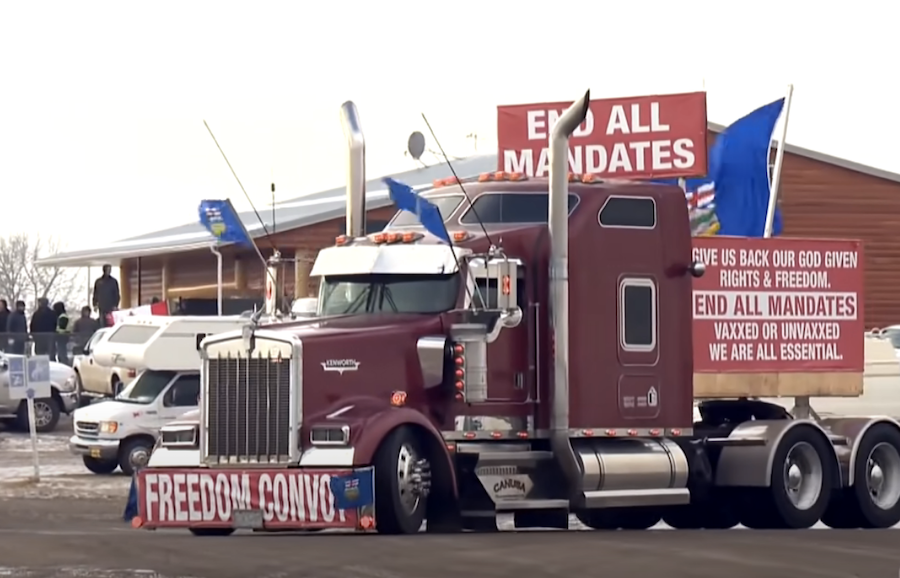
x=146, y=387
x=388, y=294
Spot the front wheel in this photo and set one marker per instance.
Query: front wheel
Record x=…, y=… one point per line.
x=401, y=484
x=99, y=466
x=134, y=454
x=46, y=415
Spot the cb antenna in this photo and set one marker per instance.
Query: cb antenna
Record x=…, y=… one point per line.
x=259, y=254
x=458, y=180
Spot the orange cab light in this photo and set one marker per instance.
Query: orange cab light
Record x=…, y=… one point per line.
x=379, y=237
x=496, y=435
x=469, y=435
x=436, y=183
x=500, y=176
x=458, y=349
x=460, y=360
x=588, y=433
x=632, y=432
x=392, y=237
x=450, y=181
x=460, y=236
x=611, y=432
x=340, y=240
x=516, y=177
x=589, y=178
x=573, y=177
x=398, y=398
x=522, y=434
x=507, y=285
x=485, y=177
x=460, y=385
x=410, y=237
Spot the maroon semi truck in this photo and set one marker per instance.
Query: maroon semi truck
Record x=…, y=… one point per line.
x=541, y=366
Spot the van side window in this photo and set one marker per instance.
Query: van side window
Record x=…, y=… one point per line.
x=184, y=392
x=637, y=314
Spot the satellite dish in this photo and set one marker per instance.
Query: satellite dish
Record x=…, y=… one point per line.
x=416, y=145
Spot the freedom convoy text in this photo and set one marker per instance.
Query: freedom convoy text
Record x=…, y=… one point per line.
x=776, y=305
x=285, y=498
x=628, y=138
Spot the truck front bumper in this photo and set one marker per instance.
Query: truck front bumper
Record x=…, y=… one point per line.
x=96, y=448
x=69, y=401
x=256, y=499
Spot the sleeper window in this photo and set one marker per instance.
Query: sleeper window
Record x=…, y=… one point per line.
x=637, y=314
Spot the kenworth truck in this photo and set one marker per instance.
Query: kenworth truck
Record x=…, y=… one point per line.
x=538, y=369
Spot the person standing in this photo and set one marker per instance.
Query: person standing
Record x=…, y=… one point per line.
x=106, y=295
x=43, y=328
x=4, y=320
x=85, y=326
x=62, y=333
x=17, y=329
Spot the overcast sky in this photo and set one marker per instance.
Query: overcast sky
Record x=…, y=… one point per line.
x=101, y=123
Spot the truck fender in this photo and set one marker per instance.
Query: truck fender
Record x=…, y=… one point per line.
x=381, y=424
x=747, y=455
x=852, y=430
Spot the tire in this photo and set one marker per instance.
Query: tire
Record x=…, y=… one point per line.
x=600, y=519
x=212, y=531
x=802, y=458
x=100, y=466
x=134, y=454
x=83, y=400
x=640, y=518
x=47, y=411
x=115, y=386
x=873, y=501
x=399, y=506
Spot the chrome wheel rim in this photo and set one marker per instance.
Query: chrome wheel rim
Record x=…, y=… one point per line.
x=139, y=457
x=883, y=475
x=43, y=414
x=803, y=475
x=406, y=482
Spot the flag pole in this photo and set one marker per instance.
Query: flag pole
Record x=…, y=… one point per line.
x=779, y=162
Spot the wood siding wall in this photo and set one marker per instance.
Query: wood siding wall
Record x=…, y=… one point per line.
x=817, y=200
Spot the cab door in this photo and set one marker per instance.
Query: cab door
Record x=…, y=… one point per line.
x=93, y=376
x=180, y=397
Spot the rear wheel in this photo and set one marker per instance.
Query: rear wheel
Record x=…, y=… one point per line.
x=874, y=499
x=99, y=466
x=800, y=487
x=115, y=386
x=401, y=476
x=46, y=414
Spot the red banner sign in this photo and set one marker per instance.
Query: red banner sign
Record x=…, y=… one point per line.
x=628, y=138
x=286, y=498
x=778, y=305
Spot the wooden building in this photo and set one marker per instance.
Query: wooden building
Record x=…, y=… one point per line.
x=821, y=196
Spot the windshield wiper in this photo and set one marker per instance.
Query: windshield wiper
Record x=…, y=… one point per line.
x=386, y=295
x=358, y=300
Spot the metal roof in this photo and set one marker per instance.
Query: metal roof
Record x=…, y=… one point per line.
x=326, y=205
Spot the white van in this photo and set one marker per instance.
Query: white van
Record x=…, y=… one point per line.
x=121, y=432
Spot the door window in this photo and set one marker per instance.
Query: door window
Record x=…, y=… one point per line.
x=184, y=392
x=637, y=314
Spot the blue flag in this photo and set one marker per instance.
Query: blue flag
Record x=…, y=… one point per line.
x=354, y=490
x=739, y=167
x=734, y=199
x=407, y=199
x=222, y=221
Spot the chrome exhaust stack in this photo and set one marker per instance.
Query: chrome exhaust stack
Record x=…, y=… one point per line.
x=356, y=170
x=559, y=287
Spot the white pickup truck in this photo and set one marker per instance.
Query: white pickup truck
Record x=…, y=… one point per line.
x=63, y=400
x=121, y=432
x=95, y=380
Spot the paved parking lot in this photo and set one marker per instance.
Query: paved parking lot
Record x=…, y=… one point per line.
x=70, y=525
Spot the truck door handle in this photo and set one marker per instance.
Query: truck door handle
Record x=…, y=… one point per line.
x=520, y=380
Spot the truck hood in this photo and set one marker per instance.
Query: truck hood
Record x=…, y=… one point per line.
x=363, y=355
x=112, y=410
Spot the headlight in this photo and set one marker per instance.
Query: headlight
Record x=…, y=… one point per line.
x=69, y=384
x=338, y=435
x=109, y=427
x=178, y=436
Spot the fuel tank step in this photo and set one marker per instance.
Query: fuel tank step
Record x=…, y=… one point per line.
x=526, y=504
x=515, y=458
x=631, y=498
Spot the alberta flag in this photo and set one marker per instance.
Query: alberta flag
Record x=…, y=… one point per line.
x=734, y=199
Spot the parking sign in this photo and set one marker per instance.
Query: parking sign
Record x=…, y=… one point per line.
x=29, y=377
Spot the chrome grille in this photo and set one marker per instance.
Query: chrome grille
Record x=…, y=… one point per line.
x=248, y=404
x=87, y=428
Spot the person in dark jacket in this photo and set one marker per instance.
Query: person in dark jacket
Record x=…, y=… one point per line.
x=106, y=295
x=4, y=319
x=43, y=328
x=61, y=346
x=85, y=326
x=17, y=328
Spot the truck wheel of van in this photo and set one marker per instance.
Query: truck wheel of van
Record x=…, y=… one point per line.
x=46, y=414
x=134, y=453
